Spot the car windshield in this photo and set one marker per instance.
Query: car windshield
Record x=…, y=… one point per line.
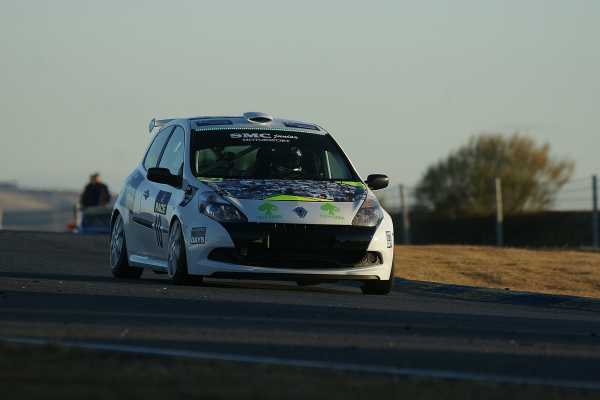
x=268, y=154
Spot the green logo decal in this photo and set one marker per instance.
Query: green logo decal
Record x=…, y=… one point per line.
x=331, y=209
x=268, y=208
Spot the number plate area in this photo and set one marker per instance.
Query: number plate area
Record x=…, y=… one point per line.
x=295, y=241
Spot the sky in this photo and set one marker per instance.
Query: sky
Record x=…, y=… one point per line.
x=399, y=84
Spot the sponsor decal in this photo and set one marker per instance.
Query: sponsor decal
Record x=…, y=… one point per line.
x=198, y=235
x=268, y=208
x=331, y=210
x=152, y=160
x=129, y=197
x=281, y=190
x=162, y=200
x=390, y=239
x=301, y=126
x=214, y=122
x=263, y=137
x=156, y=226
x=188, y=196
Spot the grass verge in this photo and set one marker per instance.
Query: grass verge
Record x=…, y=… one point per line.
x=55, y=372
x=552, y=271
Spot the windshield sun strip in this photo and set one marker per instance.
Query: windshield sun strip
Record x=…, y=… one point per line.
x=239, y=128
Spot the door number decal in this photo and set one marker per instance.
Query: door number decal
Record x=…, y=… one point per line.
x=157, y=229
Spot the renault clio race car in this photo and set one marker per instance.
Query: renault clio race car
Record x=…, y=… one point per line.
x=251, y=197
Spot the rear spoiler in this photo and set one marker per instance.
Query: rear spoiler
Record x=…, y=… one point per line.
x=154, y=123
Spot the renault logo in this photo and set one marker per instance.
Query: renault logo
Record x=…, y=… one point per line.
x=300, y=212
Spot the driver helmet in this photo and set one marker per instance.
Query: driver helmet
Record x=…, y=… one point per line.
x=286, y=161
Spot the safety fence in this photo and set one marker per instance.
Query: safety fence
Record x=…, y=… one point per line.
x=570, y=220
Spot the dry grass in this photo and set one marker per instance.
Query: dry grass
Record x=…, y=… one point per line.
x=55, y=372
x=569, y=272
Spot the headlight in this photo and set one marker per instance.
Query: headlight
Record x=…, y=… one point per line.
x=369, y=213
x=216, y=207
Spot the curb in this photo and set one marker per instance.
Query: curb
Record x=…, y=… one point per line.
x=495, y=295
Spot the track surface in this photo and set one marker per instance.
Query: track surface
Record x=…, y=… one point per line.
x=59, y=287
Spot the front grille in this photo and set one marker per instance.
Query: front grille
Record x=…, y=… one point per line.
x=296, y=258
x=298, y=246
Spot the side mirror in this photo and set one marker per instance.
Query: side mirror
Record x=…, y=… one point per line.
x=377, y=181
x=163, y=175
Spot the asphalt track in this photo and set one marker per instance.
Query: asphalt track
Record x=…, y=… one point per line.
x=58, y=287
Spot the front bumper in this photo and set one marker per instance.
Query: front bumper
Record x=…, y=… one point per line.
x=296, y=252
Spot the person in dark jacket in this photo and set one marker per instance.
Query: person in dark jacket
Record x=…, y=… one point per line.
x=95, y=193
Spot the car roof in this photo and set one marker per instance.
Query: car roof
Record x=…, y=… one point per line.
x=251, y=119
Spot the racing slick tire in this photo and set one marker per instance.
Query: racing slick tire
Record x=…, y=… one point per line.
x=177, y=259
x=118, y=253
x=379, y=287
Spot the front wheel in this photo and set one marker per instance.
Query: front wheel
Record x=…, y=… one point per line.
x=118, y=253
x=379, y=287
x=177, y=259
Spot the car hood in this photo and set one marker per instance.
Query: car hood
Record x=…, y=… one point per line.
x=294, y=202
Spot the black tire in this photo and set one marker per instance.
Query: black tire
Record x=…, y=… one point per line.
x=177, y=259
x=118, y=253
x=379, y=287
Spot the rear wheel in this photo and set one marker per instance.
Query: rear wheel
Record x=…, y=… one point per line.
x=379, y=287
x=118, y=253
x=177, y=259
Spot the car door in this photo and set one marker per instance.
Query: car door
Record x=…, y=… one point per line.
x=130, y=201
x=143, y=221
x=158, y=201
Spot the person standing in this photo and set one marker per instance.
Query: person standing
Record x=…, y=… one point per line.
x=95, y=193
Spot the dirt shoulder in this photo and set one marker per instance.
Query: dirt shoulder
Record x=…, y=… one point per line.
x=553, y=271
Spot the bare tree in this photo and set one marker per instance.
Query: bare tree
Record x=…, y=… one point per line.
x=463, y=184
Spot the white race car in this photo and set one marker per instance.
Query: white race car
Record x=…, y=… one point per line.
x=251, y=197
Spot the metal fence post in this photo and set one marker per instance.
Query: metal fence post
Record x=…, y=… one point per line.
x=499, y=216
x=405, y=219
x=595, y=211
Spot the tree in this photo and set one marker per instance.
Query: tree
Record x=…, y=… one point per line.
x=463, y=184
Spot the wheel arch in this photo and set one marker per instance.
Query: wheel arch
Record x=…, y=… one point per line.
x=177, y=217
x=113, y=218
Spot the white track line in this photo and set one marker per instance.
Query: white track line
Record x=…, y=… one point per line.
x=415, y=372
